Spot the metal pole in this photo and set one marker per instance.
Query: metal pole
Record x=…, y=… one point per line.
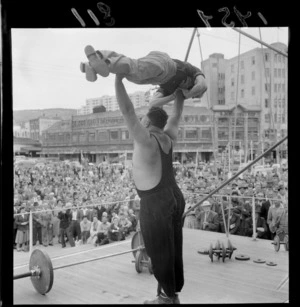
x=229, y=216
x=234, y=176
x=190, y=45
x=253, y=219
x=97, y=258
x=261, y=42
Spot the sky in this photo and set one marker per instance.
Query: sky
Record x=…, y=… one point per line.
x=46, y=62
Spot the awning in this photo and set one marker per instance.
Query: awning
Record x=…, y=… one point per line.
x=30, y=148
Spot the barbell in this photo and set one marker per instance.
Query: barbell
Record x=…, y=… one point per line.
x=41, y=270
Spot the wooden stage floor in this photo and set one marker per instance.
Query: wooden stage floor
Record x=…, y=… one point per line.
x=115, y=280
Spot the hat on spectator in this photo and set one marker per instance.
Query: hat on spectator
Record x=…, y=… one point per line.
x=234, y=183
x=206, y=203
x=234, y=193
x=68, y=205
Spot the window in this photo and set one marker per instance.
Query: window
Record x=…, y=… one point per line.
x=279, y=58
x=283, y=59
x=283, y=73
x=267, y=87
x=275, y=87
x=114, y=135
x=275, y=102
x=253, y=75
x=266, y=57
x=232, y=67
x=253, y=60
x=242, y=93
x=279, y=72
x=191, y=134
x=279, y=103
x=275, y=118
x=206, y=133
x=283, y=103
x=267, y=118
x=232, y=95
x=232, y=81
x=283, y=87
x=242, y=79
x=242, y=64
x=279, y=87
x=180, y=134
x=275, y=57
x=267, y=72
x=266, y=103
x=102, y=136
x=283, y=118
x=253, y=90
x=82, y=137
x=125, y=135
x=74, y=138
x=92, y=137
x=223, y=134
x=275, y=72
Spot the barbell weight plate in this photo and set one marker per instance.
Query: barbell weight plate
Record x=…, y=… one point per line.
x=138, y=261
x=271, y=263
x=223, y=252
x=210, y=253
x=136, y=241
x=42, y=283
x=242, y=257
x=258, y=260
x=276, y=243
x=203, y=252
x=150, y=266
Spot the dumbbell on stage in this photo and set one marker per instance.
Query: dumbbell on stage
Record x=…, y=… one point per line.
x=219, y=251
x=41, y=269
x=281, y=238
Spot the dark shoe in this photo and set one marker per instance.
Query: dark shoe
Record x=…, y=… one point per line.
x=51, y=244
x=63, y=246
x=163, y=299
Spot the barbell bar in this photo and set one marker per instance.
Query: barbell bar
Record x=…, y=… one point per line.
x=41, y=269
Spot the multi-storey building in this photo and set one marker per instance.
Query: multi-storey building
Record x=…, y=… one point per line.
x=214, y=70
x=138, y=99
x=38, y=125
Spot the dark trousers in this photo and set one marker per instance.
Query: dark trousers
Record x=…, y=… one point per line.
x=75, y=230
x=102, y=238
x=37, y=234
x=161, y=227
x=66, y=232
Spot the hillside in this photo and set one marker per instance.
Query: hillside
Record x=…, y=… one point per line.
x=26, y=115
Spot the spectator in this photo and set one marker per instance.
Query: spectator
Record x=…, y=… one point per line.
x=132, y=218
x=47, y=225
x=75, y=224
x=260, y=223
x=103, y=231
x=234, y=219
x=274, y=216
x=124, y=225
x=208, y=219
x=190, y=219
x=114, y=231
x=94, y=231
x=22, y=222
x=85, y=227
x=65, y=217
x=36, y=225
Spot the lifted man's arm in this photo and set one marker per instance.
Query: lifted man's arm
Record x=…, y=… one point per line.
x=159, y=99
x=198, y=89
x=171, y=128
x=138, y=132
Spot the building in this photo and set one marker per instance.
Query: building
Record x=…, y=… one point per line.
x=104, y=136
x=256, y=78
x=138, y=99
x=214, y=70
x=26, y=147
x=22, y=130
x=38, y=125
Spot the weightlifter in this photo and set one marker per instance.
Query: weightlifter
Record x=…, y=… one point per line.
x=162, y=203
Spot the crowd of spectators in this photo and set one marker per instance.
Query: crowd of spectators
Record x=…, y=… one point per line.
x=98, y=204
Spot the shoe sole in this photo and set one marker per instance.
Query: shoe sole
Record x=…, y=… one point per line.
x=96, y=63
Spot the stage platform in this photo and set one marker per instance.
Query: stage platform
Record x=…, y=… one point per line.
x=115, y=280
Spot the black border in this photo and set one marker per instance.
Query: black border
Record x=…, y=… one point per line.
x=126, y=14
